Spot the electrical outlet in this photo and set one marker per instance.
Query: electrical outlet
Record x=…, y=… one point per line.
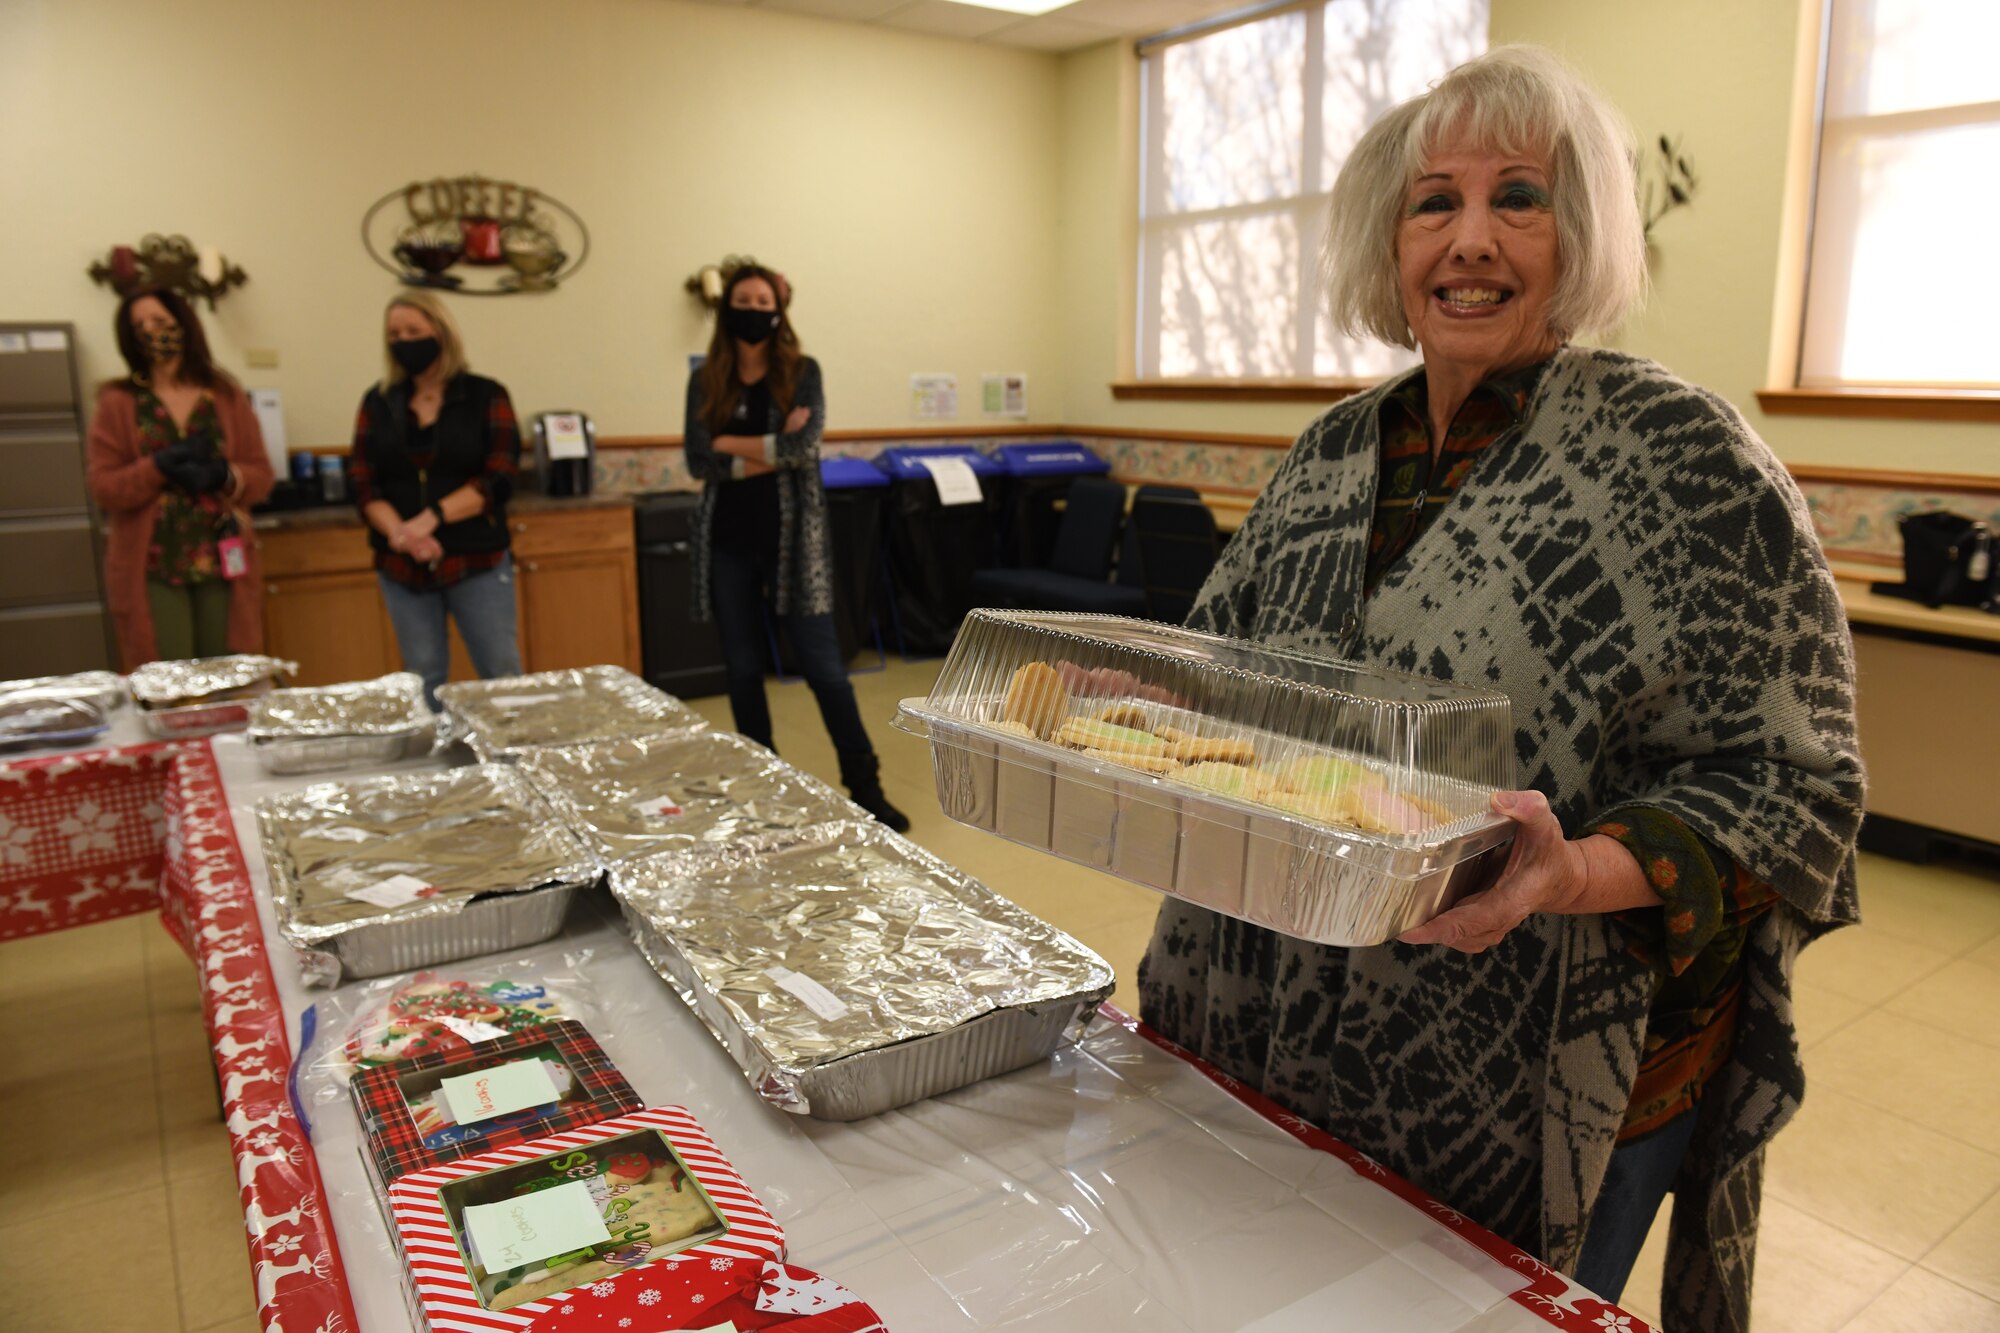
x=261, y=358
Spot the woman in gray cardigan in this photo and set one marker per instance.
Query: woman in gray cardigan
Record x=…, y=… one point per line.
x=1610, y=1019
x=755, y=412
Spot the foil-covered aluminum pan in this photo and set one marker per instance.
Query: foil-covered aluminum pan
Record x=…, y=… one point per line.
x=205, y=680
x=30, y=718
x=356, y=725
x=848, y=971
x=677, y=791
x=499, y=718
x=106, y=689
x=448, y=865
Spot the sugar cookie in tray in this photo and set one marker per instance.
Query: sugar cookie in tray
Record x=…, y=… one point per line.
x=1324, y=799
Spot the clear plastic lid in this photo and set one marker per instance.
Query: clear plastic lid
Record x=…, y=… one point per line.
x=1410, y=760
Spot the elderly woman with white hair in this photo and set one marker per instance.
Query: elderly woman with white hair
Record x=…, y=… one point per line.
x=1611, y=1018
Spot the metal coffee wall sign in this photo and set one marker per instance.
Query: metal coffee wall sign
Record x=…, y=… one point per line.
x=475, y=235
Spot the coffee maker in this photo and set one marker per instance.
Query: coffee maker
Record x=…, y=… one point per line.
x=565, y=452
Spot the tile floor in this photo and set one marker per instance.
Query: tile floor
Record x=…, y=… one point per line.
x=1882, y=1200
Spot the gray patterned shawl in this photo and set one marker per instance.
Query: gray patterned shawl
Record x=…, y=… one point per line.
x=805, y=571
x=1638, y=573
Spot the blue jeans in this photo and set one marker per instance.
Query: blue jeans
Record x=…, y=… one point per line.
x=483, y=606
x=1640, y=1175
x=736, y=594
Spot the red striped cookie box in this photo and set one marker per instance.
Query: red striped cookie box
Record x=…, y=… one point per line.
x=443, y=1296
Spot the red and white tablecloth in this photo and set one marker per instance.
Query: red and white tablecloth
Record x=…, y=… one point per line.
x=990, y=1169
x=81, y=836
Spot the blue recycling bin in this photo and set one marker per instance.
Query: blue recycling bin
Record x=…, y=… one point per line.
x=934, y=548
x=1037, y=478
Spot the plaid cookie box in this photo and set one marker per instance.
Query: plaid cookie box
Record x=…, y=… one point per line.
x=393, y=1143
x=427, y=1222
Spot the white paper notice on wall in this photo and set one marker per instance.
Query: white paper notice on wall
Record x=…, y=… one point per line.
x=1004, y=395
x=565, y=435
x=48, y=340
x=269, y=405
x=957, y=483
x=934, y=397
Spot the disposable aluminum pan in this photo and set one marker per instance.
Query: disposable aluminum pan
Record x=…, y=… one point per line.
x=105, y=689
x=500, y=718
x=391, y=874
x=678, y=791
x=29, y=719
x=1332, y=801
x=178, y=700
x=848, y=971
x=1288, y=872
x=358, y=725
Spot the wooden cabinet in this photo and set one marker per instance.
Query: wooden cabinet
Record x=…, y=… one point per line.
x=576, y=596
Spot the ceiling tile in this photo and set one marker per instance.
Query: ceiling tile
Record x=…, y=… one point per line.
x=947, y=19
x=1136, y=18
x=861, y=10
x=1053, y=32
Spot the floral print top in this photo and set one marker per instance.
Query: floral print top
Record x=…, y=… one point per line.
x=182, y=552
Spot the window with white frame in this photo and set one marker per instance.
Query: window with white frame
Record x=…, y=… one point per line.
x=1905, y=194
x=1243, y=131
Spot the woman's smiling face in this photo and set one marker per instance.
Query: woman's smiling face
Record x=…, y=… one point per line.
x=1476, y=259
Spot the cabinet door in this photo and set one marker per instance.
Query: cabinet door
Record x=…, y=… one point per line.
x=333, y=625
x=579, y=610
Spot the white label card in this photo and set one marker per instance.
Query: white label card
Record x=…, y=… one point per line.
x=48, y=340
x=471, y=1028
x=12, y=342
x=657, y=807
x=535, y=1226
x=957, y=483
x=810, y=993
x=501, y=1090
x=565, y=435
x=521, y=700
x=393, y=891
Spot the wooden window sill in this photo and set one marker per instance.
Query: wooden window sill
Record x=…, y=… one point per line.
x=1891, y=404
x=1241, y=391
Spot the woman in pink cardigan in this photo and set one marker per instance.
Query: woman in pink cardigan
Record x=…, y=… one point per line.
x=175, y=461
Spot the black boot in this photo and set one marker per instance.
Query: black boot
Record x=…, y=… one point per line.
x=861, y=772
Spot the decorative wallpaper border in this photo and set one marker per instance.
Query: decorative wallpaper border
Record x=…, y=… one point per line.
x=1856, y=521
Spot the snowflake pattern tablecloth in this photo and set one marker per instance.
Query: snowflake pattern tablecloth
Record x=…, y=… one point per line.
x=81, y=837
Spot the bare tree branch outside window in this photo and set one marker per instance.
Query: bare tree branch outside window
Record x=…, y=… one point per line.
x=1245, y=131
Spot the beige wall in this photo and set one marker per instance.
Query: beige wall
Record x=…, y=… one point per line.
x=1717, y=72
x=906, y=183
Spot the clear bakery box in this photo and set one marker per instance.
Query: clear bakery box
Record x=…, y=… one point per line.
x=1326, y=800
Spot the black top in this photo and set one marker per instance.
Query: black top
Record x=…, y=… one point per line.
x=746, y=510
x=473, y=439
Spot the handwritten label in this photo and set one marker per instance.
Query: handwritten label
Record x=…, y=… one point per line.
x=393, y=891
x=657, y=807
x=536, y=1226
x=957, y=483
x=810, y=993
x=501, y=1090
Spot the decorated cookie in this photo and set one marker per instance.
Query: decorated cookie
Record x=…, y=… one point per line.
x=1125, y=715
x=430, y=1016
x=1229, y=779
x=1148, y=763
x=1212, y=749
x=1036, y=698
x=1083, y=734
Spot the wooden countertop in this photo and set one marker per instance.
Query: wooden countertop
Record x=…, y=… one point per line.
x=1867, y=607
x=344, y=516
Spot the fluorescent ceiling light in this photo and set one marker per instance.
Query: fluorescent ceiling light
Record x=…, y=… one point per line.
x=1017, y=6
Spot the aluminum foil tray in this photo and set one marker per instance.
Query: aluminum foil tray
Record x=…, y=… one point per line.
x=30, y=718
x=358, y=725
x=1324, y=800
x=205, y=680
x=448, y=865
x=677, y=791
x=848, y=971
x=500, y=718
x=104, y=688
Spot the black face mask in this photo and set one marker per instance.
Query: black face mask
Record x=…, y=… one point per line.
x=415, y=355
x=747, y=325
